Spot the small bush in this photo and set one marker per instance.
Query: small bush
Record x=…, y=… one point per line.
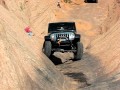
x=67, y=1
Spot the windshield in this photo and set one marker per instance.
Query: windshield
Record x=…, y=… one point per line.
x=61, y=26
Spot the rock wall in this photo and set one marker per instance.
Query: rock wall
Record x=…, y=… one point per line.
x=107, y=45
x=22, y=64
x=106, y=51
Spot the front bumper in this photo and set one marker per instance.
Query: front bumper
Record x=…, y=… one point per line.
x=63, y=46
x=61, y=42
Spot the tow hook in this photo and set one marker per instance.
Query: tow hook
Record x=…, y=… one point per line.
x=59, y=41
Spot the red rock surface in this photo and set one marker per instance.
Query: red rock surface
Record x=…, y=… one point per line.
x=24, y=67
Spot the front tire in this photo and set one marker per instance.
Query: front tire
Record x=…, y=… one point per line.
x=47, y=48
x=79, y=53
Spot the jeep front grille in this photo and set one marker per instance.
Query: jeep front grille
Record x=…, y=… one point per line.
x=62, y=35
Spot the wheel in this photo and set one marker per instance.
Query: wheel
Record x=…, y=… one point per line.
x=47, y=48
x=79, y=53
x=52, y=52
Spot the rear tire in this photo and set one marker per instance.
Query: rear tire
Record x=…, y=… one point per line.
x=47, y=48
x=79, y=53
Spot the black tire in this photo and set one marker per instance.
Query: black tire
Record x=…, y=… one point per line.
x=79, y=53
x=52, y=52
x=47, y=48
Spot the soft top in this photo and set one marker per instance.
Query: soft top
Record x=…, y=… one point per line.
x=57, y=26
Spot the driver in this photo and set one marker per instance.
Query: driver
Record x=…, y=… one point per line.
x=61, y=28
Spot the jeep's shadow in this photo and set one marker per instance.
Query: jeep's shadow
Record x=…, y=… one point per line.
x=80, y=77
x=77, y=76
x=55, y=60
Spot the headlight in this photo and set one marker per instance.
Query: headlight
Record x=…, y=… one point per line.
x=71, y=36
x=52, y=36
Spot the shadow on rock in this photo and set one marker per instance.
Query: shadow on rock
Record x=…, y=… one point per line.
x=80, y=77
x=55, y=60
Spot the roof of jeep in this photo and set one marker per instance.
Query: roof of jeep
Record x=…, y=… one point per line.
x=60, y=22
x=55, y=26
